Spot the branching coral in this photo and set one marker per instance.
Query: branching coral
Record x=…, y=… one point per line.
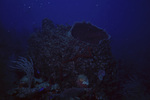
x=25, y=65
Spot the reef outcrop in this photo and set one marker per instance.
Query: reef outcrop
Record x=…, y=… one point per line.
x=62, y=53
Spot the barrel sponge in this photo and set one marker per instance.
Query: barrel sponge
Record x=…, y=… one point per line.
x=88, y=33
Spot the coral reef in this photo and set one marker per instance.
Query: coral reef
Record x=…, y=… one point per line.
x=71, y=60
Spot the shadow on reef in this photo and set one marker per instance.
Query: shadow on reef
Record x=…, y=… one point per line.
x=67, y=63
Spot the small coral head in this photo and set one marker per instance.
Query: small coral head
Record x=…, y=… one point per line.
x=82, y=81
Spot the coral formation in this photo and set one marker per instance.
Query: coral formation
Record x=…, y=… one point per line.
x=82, y=81
x=72, y=56
x=25, y=65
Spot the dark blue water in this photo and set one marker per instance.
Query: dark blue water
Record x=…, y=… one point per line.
x=127, y=21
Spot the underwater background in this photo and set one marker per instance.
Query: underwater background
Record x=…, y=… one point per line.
x=45, y=55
